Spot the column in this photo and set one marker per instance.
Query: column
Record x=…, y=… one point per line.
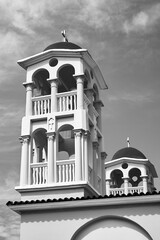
x=108, y=187
x=145, y=184
x=51, y=160
x=53, y=82
x=95, y=163
x=29, y=87
x=126, y=182
x=24, y=160
x=78, y=155
x=103, y=157
x=86, y=155
x=79, y=79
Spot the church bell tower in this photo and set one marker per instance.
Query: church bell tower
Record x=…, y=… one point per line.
x=62, y=144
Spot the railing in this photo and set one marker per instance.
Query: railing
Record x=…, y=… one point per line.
x=114, y=191
x=67, y=101
x=135, y=189
x=39, y=173
x=65, y=171
x=41, y=105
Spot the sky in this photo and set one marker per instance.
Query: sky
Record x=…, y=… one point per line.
x=123, y=37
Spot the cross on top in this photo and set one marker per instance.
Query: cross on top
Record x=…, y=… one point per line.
x=128, y=142
x=65, y=39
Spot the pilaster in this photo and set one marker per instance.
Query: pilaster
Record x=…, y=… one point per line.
x=24, y=160
x=51, y=159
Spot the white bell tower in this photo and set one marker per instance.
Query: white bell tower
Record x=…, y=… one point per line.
x=62, y=154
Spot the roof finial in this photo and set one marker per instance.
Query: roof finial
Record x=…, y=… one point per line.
x=64, y=36
x=128, y=142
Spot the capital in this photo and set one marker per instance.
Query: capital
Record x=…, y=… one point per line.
x=29, y=86
x=78, y=132
x=52, y=81
x=51, y=136
x=103, y=155
x=24, y=139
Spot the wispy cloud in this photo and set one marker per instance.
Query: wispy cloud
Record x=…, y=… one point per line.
x=143, y=21
x=136, y=98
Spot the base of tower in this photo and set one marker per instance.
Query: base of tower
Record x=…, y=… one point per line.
x=74, y=190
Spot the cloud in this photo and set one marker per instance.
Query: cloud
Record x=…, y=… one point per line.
x=143, y=21
x=136, y=98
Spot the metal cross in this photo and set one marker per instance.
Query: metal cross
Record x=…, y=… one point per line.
x=64, y=36
x=128, y=142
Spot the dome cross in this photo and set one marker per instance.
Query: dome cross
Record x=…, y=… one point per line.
x=65, y=39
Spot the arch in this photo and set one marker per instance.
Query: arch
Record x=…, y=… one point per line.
x=39, y=145
x=66, y=142
x=135, y=176
x=108, y=223
x=42, y=87
x=116, y=178
x=66, y=80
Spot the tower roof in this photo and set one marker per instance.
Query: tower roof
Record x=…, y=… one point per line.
x=128, y=152
x=62, y=45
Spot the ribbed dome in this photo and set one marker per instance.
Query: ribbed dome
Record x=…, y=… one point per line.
x=62, y=45
x=128, y=152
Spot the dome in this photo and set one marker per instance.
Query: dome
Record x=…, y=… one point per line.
x=62, y=45
x=128, y=152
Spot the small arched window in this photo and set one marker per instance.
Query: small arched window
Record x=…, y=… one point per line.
x=66, y=80
x=116, y=178
x=66, y=143
x=39, y=146
x=42, y=87
x=135, y=177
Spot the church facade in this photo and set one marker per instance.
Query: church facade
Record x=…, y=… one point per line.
x=68, y=189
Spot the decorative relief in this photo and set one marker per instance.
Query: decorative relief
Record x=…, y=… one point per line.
x=50, y=124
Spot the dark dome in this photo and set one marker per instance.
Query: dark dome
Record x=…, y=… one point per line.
x=62, y=45
x=128, y=152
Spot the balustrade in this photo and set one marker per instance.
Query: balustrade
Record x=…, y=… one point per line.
x=66, y=171
x=67, y=101
x=114, y=191
x=39, y=173
x=135, y=189
x=41, y=105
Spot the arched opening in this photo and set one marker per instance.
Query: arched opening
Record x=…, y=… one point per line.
x=116, y=178
x=66, y=154
x=66, y=80
x=39, y=146
x=42, y=87
x=66, y=145
x=135, y=177
x=87, y=79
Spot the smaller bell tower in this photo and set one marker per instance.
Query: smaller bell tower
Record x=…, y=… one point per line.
x=62, y=143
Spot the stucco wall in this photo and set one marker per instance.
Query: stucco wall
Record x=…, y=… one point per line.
x=110, y=221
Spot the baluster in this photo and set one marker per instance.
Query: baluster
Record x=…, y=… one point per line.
x=63, y=173
x=67, y=103
x=73, y=169
x=45, y=106
x=74, y=102
x=33, y=175
x=67, y=174
x=60, y=104
x=70, y=172
x=42, y=106
x=63, y=103
x=59, y=177
x=40, y=175
x=38, y=108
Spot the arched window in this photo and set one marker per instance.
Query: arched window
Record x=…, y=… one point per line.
x=135, y=177
x=42, y=87
x=116, y=178
x=66, y=144
x=39, y=146
x=66, y=80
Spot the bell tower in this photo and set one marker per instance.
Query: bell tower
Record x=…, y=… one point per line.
x=62, y=143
